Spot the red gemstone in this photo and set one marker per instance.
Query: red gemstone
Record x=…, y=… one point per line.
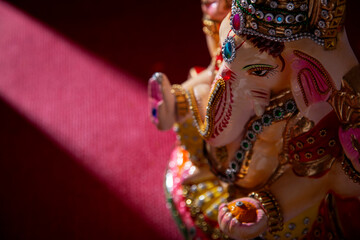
x=226, y=74
x=236, y=21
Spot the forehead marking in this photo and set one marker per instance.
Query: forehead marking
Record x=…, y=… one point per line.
x=240, y=45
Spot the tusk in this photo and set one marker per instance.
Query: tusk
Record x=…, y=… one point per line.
x=259, y=109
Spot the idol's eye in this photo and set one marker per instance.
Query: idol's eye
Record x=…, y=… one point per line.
x=259, y=73
x=260, y=70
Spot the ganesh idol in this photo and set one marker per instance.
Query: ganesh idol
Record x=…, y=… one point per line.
x=268, y=135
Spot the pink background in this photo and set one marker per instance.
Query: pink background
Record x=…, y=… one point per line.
x=79, y=158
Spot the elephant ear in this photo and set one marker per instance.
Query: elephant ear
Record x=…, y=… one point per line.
x=311, y=85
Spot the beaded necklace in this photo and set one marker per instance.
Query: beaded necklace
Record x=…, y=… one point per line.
x=239, y=165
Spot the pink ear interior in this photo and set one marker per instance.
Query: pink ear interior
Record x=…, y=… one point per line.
x=345, y=137
x=314, y=81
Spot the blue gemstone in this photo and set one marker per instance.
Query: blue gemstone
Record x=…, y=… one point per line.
x=228, y=50
x=154, y=112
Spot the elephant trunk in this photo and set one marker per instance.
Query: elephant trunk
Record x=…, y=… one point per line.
x=206, y=127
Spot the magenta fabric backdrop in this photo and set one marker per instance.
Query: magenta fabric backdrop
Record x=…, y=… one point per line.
x=79, y=158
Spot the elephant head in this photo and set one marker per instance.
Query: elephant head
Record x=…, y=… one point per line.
x=259, y=71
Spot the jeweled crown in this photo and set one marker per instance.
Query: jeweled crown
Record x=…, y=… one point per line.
x=289, y=20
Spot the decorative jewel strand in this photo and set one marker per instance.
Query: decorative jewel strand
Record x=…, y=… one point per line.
x=182, y=105
x=239, y=165
x=289, y=20
x=279, y=12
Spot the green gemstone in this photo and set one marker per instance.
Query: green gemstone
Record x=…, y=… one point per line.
x=266, y=119
x=245, y=145
x=251, y=136
x=233, y=166
x=289, y=106
x=278, y=113
x=239, y=155
x=257, y=127
x=228, y=50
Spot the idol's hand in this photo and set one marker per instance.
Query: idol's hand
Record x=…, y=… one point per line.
x=162, y=101
x=243, y=218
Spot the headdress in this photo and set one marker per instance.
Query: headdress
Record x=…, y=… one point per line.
x=289, y=20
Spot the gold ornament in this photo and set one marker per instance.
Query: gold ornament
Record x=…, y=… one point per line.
x=181, y=106
x=211, y=28
x=284, y=20
x=346, y=101
x=272, y=210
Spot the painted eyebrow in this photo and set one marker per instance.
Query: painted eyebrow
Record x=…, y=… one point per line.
x=247, y=67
